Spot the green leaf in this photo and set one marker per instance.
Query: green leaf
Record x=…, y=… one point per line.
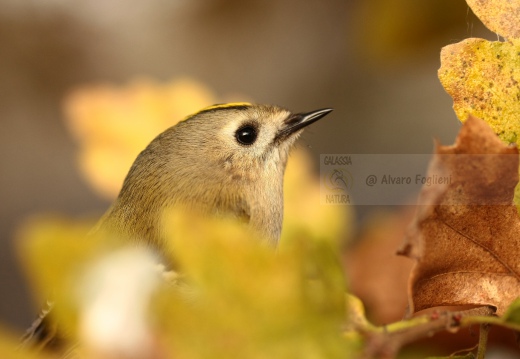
x=512, y=314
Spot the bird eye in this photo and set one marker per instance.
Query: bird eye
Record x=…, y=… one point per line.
x=246, y=135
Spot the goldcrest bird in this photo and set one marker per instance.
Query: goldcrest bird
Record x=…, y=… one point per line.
x=226, y=159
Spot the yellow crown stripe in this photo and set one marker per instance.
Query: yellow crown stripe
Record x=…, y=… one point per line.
x=225, y=105
x=220, y=106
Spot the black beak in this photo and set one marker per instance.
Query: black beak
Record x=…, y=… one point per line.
x=300, y=120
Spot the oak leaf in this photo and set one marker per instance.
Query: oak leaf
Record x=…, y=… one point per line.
x=466, y=233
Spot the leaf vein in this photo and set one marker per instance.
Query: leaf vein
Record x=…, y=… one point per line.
x=487, y=249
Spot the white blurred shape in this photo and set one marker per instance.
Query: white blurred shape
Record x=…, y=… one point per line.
x=115, y=296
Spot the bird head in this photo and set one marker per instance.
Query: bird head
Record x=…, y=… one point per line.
x=225, y=159
x=241, y=141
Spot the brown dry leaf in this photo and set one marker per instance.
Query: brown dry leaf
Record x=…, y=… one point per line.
x=466, y=234
x=500, y=16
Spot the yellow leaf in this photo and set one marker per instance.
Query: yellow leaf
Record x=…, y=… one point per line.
x=54, y=253
x=240, y=298
x=483, y=78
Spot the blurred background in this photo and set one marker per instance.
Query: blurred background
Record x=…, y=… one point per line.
x=374, y=61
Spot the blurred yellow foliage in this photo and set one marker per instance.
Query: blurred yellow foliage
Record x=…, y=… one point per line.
x=304, y=214
x=10, y=348
x=245, y=300
x=55, y=253
x=253, y=302
x=113, y=124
